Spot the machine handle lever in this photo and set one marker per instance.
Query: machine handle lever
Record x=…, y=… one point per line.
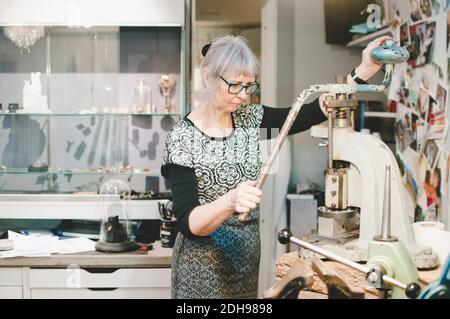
x=389, y=53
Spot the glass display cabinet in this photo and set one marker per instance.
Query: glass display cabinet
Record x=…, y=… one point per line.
x=88, y=93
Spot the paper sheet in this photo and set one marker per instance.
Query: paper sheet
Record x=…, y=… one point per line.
x=45, y=245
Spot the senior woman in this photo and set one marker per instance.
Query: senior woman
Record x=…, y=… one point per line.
x=212, y=160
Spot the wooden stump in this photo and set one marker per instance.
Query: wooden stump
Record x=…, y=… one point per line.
x=318, y=289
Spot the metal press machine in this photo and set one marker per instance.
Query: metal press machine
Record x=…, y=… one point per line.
x=355, y=176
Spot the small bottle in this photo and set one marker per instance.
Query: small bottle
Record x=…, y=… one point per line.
x=140, y=97
x=26, y=95
x=35, y=90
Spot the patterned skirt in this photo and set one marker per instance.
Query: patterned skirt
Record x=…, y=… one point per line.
x=223, y=265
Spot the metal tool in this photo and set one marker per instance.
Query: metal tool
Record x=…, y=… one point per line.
x=354, y=183
x=336, y=286
x=389, y=54
x=289, y=287
x=389, y=265
x=300, y=277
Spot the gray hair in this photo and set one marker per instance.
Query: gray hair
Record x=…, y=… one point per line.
x=228, y=55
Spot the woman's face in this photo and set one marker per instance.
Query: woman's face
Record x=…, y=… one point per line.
x=229, y=102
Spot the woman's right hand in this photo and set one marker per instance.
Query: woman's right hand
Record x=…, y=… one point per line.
x=245, y=197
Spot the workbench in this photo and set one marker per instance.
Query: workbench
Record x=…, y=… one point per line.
x=136, y=274
x=353, y=278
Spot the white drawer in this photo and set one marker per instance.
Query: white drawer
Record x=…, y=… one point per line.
x=84, y=293
x=119, y=278
x=11, y=292
x=10, y=277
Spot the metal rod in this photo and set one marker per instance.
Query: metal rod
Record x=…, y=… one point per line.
x=394, y=282
x=344, y=261
x=330, y=139
x=295, y=109
x=386, y=219
x=330, y=255
x=352, y=119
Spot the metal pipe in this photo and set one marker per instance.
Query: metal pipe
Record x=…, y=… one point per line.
x=352, y=119
x=330, y=255
x=394, y=282
x=330, y=139
x=295, y=109
x=386, y=219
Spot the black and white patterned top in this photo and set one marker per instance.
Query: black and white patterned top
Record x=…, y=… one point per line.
x=224, y=264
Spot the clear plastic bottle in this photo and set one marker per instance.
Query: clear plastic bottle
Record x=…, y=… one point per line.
x=26, y=95
x=141, y=97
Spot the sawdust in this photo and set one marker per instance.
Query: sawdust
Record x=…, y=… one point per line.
x=352, y=277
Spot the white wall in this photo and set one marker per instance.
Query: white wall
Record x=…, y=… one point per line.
x=315, y=62
x=235, y=12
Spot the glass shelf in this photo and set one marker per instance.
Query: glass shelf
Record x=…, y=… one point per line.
x=18, y=171
x=90, y=114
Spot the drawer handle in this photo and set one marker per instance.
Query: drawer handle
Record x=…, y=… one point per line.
x=102, y=289
x=101, y=270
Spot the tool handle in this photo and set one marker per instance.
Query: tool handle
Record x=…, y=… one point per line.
x=292, y=115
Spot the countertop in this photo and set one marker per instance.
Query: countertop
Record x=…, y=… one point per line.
x=158, y=257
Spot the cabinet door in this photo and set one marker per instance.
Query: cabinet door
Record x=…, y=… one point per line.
x=100, y=293
x=11, y=292
x=11, y=283
x=10, y=277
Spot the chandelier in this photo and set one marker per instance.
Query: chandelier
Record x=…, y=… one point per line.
x=24, y=36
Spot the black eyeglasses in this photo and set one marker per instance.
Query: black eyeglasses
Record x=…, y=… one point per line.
x=236, y=88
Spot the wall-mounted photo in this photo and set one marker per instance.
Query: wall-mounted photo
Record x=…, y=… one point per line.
x=423, y=103
x=404, y=34
x=441, y=97
x=403, y=128
x=422, y=40
x=431, y=152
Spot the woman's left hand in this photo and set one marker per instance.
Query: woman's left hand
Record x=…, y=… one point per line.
x=366, y=69
x=368, y=66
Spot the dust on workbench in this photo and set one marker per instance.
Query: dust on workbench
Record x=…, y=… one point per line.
x=318, y=288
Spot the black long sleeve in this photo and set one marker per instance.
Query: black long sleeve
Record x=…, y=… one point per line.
x=183, y=184
x=182, y=179
x=274, y=118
